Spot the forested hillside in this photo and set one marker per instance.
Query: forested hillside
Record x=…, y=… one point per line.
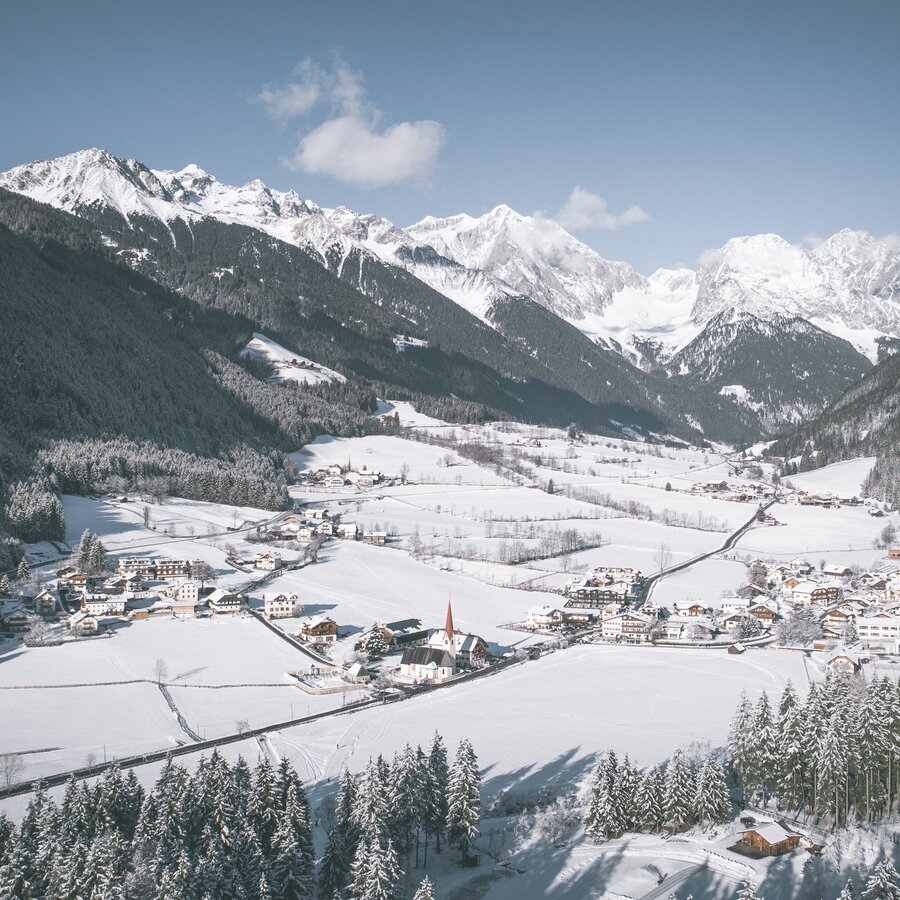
x=865, y=421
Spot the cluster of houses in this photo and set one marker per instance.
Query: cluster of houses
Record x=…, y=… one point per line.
x=619, y=584
x=825, y=500
x=738, y=492
x=139, y=587
x=312, y=522
x=348, y=476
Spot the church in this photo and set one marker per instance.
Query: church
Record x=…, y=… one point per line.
x=445, y=652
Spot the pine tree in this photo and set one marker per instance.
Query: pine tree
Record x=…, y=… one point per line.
x=335, y=864
x=650, y=801
x=679, y=791
x=464, y=798
x=405, y=793
x=436, y=789
x=848, y=892
x=23, y=572
x=713, y=804
x=791, y=759
x=604, y=819
x=629, y=780
x=425, y=891
x=375, y=644
x=14, y=867
x=762, y=746
x=4, y=586
x=739, y=738
x=747, y=893
x=262, y=806
x=882, y=883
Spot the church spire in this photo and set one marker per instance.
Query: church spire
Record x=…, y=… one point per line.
x=448, y=626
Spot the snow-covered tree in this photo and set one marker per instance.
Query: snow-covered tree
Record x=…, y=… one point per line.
x=747, y=893
x=650, y=801
x=436, y=791
x=375, y=645
x=882, y=883
x=679, y=791
x=604, y=817
x=739, y=741
x=847, y=892
x=464, y=797
x=425, y=890
x=713, y=803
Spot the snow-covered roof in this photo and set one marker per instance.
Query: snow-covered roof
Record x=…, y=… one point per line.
x=771, y=832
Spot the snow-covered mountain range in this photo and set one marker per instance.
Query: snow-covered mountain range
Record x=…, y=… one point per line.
x=849, y=285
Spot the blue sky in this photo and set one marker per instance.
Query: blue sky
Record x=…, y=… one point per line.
x=682, y=124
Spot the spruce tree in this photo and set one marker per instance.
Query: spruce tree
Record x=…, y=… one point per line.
x=848, y=892
x=679, y=791
x=604, y=819
x=23, y=572
x=650, y=801
x=739, y=738
x=436, y=790
x=713, y=804
x=882, y=883
x=464, y=798
x=425, y=890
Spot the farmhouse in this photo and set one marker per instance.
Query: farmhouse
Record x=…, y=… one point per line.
x=221, y=601
x=770, y=839
x=544, y=617
x=267, y=562
x=184, y=592
x=318, y=630
x=402, y=633
x=281, y=606
x=836, y=571
x=45, y=603
x=375, y=537
x=102, y=604
x=83, y=623
x=139, y=565
x=843, y=662
x=172, y=568
x=15, y=620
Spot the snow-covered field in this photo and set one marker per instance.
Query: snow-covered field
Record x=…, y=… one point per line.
x=289, y=366
x=844, y=479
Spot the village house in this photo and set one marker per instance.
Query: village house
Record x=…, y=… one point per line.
x=318, y=630
x=688, y=628
x=763, y=612
x=427, y=665
x=97, y=604
x=836, y=571
x=221, y=601
x=83, y=623
x=15, y=620
x=843, y=662
x=268, y=562
x=813, y=593
x=326, y=527
x=375, y=537
x=894, y=553
x=281, y=606
x=186, y=591
x=65, y=573
x=628, y=627
x=544, y=617
x=801, y=566
x=399, y=634
x=346, y=531
x=318, y=513
x=689, y=608
x=770, y=839
x=46, y=603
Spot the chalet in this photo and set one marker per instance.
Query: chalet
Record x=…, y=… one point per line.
x=629, y=627
x=467, y=650
x=221, y=601
x=326, y=527
x=318, y=514
x=15, y=620
x=838, y=617
x=689, y=608
x=139, y=565
x=815, y=593
x=375, y=537
x=836, y=571
x=318, y=630
x=335, y=481
x=763, y=612
x=172, y=568
x=688, y=628
x=45, y=603
x=801, y=566
x=268, y=562
x=83, y=623
x=894, y=553
x=305, y=533
x=281, y=606
x=843, y=662
x=346, y=531
x=65, y=573
x=77, y=582
x=770, y=839
x=427, y=664
x=544, y=617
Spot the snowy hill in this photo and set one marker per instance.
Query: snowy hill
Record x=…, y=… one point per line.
x=289, y=366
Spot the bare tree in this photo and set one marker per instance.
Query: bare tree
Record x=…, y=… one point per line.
x=11, y=767
x=242, y=726
x=160, y=670
x=404, y=472
x=662, y=558
x=203, y=572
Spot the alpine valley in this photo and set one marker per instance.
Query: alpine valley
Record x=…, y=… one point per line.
x=503, y=316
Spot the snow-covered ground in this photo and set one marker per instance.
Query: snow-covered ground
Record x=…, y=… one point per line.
x=843, y=479
x=289, y=366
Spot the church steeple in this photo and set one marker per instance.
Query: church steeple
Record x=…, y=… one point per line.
x=448, y=626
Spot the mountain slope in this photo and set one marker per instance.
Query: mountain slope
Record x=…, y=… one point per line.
x=864, y=421
x=285, y=264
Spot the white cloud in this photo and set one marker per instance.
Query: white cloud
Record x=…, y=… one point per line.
x=350, y=148
x=352, y=145
x=585, y=210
